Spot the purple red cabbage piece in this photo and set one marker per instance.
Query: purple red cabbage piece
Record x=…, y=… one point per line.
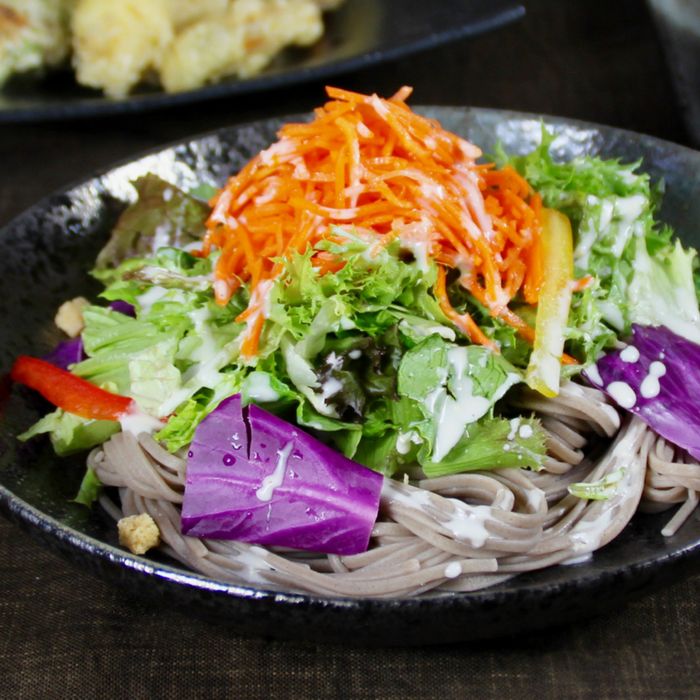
x=321, y=501
x=123, y=307
x=663, y=383
x=70, y=352
x=67, y=353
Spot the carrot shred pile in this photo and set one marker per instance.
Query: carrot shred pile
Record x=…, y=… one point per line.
x=374, y=166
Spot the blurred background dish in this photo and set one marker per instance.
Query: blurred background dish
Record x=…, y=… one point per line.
x=357, y=34
x=678, y=22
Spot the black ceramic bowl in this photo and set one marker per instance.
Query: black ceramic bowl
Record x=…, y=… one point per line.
x=44, y=257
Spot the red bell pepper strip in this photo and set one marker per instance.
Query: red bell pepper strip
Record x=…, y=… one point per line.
x=71, y=393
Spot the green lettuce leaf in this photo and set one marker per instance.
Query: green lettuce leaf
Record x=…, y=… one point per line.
x=600, y=490
x=111, y=340
x=90, y=489
x=70, y=433
x=162, y=215
x=662, y=290
x=492, y=443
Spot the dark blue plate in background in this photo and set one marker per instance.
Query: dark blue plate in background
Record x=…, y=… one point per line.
x=44, y=257
x=359, y=33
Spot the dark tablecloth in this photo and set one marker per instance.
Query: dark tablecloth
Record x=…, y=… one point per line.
x=64, y=634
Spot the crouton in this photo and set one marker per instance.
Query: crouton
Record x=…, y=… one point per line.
x=138, y=533
x=69, y=317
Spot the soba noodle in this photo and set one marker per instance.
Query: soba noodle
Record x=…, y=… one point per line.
x=455, y=533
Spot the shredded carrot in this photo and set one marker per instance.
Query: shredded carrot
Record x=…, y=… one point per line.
x=373, y=165
x=584, y=283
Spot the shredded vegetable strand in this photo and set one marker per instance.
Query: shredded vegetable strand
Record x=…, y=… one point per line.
x=376, y=166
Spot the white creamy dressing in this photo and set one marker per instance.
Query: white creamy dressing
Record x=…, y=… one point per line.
x=220, y=213
x=253, y=561
x=594, y=375
x=202, y=328
x=629, y=209
x=623, y=212
x=330, y=387
x=627, y=177
x=405, y=440
x=425, y=331
x=623, y=394
x=207, y=375
x=301, y=172
x=206, y=350
x=364, y=131
x=150, y=297
x=339, y=214
x=272, y=481
x=420, y=250
x=222, y=289
x=609, y=410
x=137, y=422
x=514, y=425
x=630, y=355
x=535, y=497
x=279, y=152
x=582, y=559
x=650, y=386
x=452, y=415
x=259, y=388
x=612, y=313
x=587, y=235
x=587, y=535
x=269, y=193
x=525, y=431
x=453, y=570
x=466, y=524
x=260, y=297
x=475, y=209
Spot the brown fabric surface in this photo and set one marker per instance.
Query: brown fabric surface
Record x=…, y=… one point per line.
x=64, y=634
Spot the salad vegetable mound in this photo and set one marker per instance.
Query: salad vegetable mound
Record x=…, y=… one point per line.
x=373, y=363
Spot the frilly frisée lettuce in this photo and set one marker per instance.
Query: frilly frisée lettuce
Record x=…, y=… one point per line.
x=253, y=477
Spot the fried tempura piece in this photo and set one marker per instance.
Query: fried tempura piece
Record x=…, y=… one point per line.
x=33, y=34
x=185, y=12
x=115, y=44
x=240, y=42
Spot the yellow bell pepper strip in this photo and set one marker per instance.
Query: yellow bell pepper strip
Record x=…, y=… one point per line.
x=553, y=303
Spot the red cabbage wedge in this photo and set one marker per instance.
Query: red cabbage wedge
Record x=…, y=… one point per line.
x=657, y=377
x=253, y=477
